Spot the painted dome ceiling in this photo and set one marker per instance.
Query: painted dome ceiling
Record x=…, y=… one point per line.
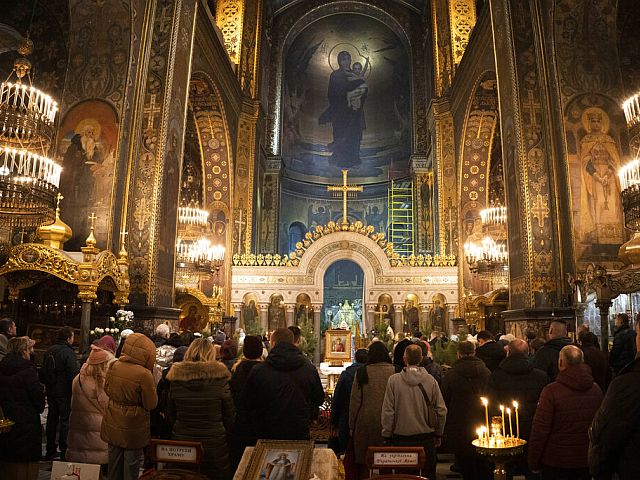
x=279, y=5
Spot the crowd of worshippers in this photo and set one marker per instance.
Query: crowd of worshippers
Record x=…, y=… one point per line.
x=579, y=406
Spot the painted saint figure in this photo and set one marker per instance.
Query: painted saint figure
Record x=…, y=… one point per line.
x=601, y=201
x=280, y=469
x=191, y=322
x=347, y=93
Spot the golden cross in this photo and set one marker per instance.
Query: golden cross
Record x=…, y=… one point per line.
x=58, y=198
x=540, y=210
x=93, y=218
x=345, y=188
x=123, y=237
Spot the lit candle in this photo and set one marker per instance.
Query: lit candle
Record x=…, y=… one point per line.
x=504, y=430
x=510, y=426
x=515, y=405
x=479, y=433
x=485, y=402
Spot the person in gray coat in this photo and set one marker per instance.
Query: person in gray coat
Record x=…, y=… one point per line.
x=405, y=412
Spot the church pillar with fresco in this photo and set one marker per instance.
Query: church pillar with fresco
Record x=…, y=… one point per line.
x=538, y=223
x=149, y=207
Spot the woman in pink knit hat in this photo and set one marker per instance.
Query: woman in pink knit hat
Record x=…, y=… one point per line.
x=88, y=402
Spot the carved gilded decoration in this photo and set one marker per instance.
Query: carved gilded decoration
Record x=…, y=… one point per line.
x=86, y=271
x=250, y=54
x=244, y=174
x=442, y=48
x=311, y=237
x=229, y=16
x=462, y=15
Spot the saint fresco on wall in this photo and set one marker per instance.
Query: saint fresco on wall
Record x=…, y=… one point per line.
x=594, y=126
x=87, y=151
x=346, y=102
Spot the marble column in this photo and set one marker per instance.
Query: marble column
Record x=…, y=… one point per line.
x=316, y=331
x=397, y=321
x=264, y=316
x=290, y=317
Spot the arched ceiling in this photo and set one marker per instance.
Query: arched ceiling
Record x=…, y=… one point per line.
x=279, y=5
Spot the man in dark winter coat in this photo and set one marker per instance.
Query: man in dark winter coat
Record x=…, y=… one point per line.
x=559, y=438
x=595, y=358
x=516, y=379
x=341, y=398
x=546, y=359
x=489, y=351
x=60, y=366
x=462, y=387
x=615, y=431
x=284, y=391
x=244, y=434
x=623, y=350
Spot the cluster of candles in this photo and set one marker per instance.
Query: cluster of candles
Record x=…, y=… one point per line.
x=495, y=436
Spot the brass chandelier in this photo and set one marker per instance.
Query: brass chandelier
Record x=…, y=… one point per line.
x=489, y=259
x=197, y=258
x=29, y=180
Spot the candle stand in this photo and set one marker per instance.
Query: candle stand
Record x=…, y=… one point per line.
x=500, y=452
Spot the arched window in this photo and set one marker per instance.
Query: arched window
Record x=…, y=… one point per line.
x=296, y=234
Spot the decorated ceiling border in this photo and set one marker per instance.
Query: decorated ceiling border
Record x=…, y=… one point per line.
x=294, y=258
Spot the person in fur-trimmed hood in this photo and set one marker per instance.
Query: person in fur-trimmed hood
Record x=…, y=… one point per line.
x=200, y=402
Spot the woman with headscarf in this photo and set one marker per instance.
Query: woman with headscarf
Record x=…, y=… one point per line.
x=201, y=404
x=88, y=403
x=365, y=407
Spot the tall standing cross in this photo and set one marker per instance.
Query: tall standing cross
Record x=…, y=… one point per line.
x=240, y=223
x=345, y=188
x=151, y=110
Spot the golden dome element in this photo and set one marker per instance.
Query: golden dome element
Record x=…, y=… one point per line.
x=91, y=239
x=629, y=253
x=57, y=233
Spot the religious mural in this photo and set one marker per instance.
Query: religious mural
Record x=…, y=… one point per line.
x=346, y=102
x=305, y=212
x=86, y=150
x=193, y=317
x=593, y=144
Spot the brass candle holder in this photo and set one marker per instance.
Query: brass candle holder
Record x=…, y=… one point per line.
x=496, y=444
x=5, y=423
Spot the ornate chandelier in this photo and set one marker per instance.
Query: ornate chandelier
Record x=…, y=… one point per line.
x=629, y=176
x=489, y=258
x=29, y=180
x=196, y=256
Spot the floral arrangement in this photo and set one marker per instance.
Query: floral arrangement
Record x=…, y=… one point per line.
x=122, y=321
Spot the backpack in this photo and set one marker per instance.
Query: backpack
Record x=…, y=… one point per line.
x=48, y=375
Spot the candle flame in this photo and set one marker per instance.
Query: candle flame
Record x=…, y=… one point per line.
x=508, y=411
x=502, y=408
x=515, y=404
x=484, y=401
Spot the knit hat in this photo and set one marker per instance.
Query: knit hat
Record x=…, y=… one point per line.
x=107, y=343
x=125, y=333
x=98, y=355
x=252, y=348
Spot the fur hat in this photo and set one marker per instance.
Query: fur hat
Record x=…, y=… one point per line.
x=252, y=348
x=98, y=355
